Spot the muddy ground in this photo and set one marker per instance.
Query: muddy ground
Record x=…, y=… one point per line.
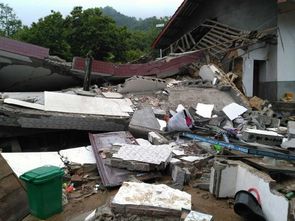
x=202, y=201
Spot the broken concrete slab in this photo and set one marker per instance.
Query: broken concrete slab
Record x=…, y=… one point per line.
x=24, y=104
x=112, y=95
x=289, y=144
x=26, y=161
x=13, y=198
x=291, y=129
x=140, y=158
x=144, y=121
x=189, y=97
x=15, y=118
x=68, y=103
x=150, y=199
x=194, y=158
x=178, y=175
x=80, y=155
x=262, y=136
x=141, y=84
x=197, y=216
x=229, y=177
x=110, y=176
x=234, y=110
x=156, y=138
x=208, y=72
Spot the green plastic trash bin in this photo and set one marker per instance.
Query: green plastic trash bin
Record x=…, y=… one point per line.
x=44, y=189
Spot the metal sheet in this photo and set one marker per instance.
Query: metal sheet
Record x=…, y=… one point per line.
x=23, y=48
x=113, y=176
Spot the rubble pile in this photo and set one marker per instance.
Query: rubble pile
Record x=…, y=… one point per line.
x=179, y=134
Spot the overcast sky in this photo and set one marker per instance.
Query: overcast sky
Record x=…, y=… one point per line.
x=31, y=10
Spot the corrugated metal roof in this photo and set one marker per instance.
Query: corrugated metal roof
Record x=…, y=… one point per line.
x=155, y=68
x=22, y=48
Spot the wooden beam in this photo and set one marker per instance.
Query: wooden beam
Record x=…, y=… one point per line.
x=191, y=37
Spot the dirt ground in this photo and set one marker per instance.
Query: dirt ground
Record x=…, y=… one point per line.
x=202, y=201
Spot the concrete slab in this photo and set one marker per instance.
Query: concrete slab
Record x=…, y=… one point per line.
x=152, y=197
x=157, y=139
x=197, y=216
x=141, y=84
x=144, y=121
x=291, y=129
x=158, y=155
x=23, y=162
x=112, y=95
x=68, y=103
x=81, y=155
x=24, y=104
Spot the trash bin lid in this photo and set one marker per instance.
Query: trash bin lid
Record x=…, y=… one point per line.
x=42, y=174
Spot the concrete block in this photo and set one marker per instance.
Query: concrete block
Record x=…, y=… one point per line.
x=141, y=84
x=156, y=138
x=178, y=175
x=289, y=144
x=208, y=72
x=202, y=186
x=262, y=136
x=159, y=113
x=143, y=121
x=291, y=129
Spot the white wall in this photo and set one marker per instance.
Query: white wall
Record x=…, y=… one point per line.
x=262, y=52
x=286, y=46
x=238, y=176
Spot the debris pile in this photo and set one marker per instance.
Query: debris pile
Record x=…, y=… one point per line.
x=180, y=135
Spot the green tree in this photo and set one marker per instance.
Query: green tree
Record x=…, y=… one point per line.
x=90, y=30
x=9, y=23
x=48, y=32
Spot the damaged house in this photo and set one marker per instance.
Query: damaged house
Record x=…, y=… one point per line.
x=254, y=39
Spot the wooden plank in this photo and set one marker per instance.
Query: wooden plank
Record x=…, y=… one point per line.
x=221, y=29
x=223, y=25
x=182, y=43
x=192, y=39
x=5, y=170
x=13, y=198
x=213, y=44
x=8, y=185
x=217, y=41
x=217, y=36
x=186, y=41
x=14, y=206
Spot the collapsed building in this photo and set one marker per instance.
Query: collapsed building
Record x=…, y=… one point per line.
x=189, y=136
x=252, y=38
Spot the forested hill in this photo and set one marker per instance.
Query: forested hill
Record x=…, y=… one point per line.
x=132, y=23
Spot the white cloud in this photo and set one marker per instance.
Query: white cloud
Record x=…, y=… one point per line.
x=31, y=10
